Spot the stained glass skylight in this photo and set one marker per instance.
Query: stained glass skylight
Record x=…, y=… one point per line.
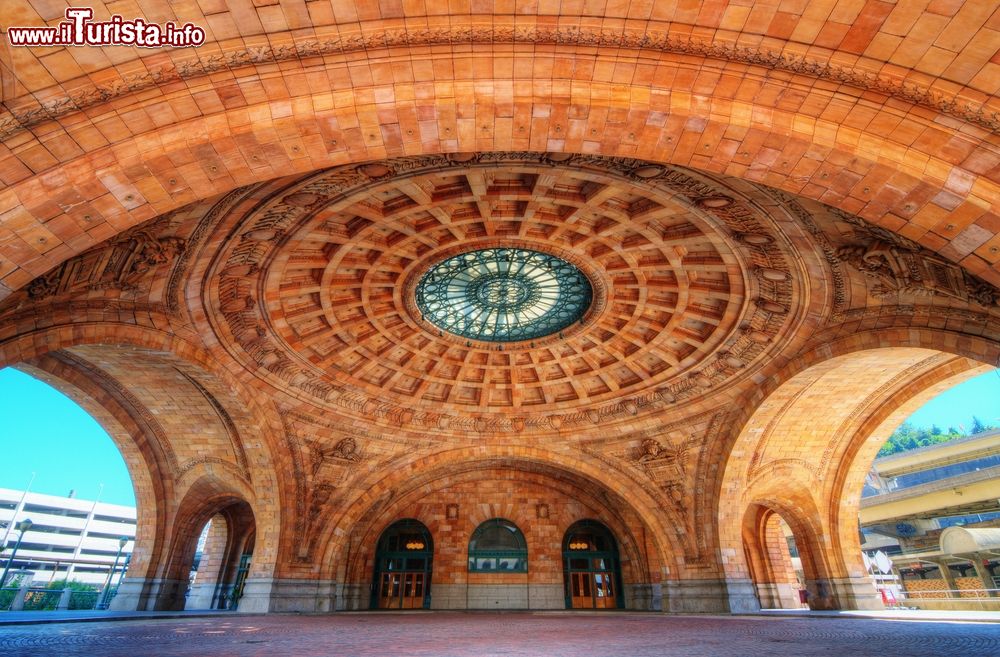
x=503, y=295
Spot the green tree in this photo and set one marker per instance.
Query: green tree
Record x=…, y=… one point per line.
x=907, y=437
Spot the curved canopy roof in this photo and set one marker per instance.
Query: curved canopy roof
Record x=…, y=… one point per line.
x=961, y=540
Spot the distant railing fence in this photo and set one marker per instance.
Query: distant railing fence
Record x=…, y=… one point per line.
x=30, y=598
x=957, y=598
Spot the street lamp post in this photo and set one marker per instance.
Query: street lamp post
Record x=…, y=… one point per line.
x=121, y=575
x=107, y=586
x=22, y=527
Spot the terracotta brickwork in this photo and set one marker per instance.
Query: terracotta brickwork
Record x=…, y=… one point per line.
x=202, y=121
x=542, y=508
x=769, y=559
x=778, y=553
x=788, y=214
x=207, y=577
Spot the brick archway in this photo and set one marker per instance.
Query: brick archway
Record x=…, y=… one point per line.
x=791, y=455
x=735, y=119
x=133, y=380
x=207, y=496
x=786, y=495
x=348, y=531
x=148, y=460
x=542, y=502
x=769, y=559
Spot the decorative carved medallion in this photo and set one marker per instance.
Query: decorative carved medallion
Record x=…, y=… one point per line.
x=895, y=270
x=119, y=265
x=345, y=451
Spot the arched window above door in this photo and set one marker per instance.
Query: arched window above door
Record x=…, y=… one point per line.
x=498, y=545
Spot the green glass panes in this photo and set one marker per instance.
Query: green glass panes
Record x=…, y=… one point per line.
x=503, y=295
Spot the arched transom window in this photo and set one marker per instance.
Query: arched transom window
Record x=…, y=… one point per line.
x=498, y=545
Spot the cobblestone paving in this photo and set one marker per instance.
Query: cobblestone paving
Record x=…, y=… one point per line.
x=509, y=635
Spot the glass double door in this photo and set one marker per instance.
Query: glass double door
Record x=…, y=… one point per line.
x=402, y=578
x=402, y=590
x=592, y=583
x=402, y=582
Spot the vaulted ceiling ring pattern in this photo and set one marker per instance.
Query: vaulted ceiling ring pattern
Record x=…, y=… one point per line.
x=692, y=284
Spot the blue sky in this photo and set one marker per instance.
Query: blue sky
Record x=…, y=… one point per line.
x=46, y=433
x=979, y=396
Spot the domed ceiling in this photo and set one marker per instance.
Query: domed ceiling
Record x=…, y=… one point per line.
x=318, y=285
x=495, y=292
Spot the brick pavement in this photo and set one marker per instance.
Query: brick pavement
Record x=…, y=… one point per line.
x=512, y=634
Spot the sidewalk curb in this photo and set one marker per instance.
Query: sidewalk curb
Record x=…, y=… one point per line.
x=4, y=622
x=167, y=615
x=860, y=615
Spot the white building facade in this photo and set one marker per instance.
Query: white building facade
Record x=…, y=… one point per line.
x=69, y=538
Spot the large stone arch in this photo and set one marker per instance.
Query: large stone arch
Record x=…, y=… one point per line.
x=785, y=491
x=148, y=460
x=206, y=495
x=354, y=565
x=769, y=558
x=140, y=377
x=412, y=473
x=689, y=583
x=822, y=145
x=817, y=429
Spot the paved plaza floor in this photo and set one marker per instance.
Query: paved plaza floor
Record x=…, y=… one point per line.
x=442, y=634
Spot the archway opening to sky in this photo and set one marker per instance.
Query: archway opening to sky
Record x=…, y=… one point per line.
x=53, y=445
x=967, y=408
x=938, y=469
x=67, y=502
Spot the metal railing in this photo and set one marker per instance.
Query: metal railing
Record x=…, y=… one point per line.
x=951, y=594
x=33, y=598
x=959, y=599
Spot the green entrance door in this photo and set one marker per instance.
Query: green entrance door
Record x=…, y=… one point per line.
x=403, y=564
x=591, y=568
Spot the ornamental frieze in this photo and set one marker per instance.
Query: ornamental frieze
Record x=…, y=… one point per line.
x=119, y=265
x=894, y=270
x=26, y=115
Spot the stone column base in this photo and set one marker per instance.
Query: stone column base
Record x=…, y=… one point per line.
x=781, y=595
x=448, y=596
x=695, y=596
x=546, y=596
x=354, y=597
x=262, y=595
x=742, y=596
x=709, y=596
x=201, y=596
x=856, y=593
x=644, y=597
x=150, y=595
x=498, y=596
